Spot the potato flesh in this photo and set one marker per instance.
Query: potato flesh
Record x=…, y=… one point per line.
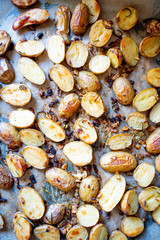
x=7, y=73
x=24, y=3
x=112, y=192
x=99, y=231
x=153, y=77
x=156, y=215
x=99, y=64
x=46, y=232
x=22, y=118
x=129, y=202
x=157, y=163
x=150, y=46
x=119, y=141
x=4, y=42
x=117, y=235
x=154, y=115
x=29, y=48
x=115, y=56
x=137, y=121
x=16, y=165
x=1, y=222
x=94, y=10
x=88, y=81
x=127, y=18
x=6, y=180
x=149, y=198
x=87, y=215
x=56, y=49
x=31, y=137
x=153, y=142
x=132, y=226
x=77, y=232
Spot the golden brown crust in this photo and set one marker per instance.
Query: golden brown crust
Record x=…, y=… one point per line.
x=6, y=180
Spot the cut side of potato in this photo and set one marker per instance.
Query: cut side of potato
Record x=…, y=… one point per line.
x=150, y=46
x=129, y=202
x=54, y=213
x=31, y=137
x=156, y=215
x=16, y=94
x=145, y=99
x=46, y=232
x=115, y=56
x=87, y=215
x=1, y=222
x=6, y=179
x=23, y=4
x=5, y=41
x=153, y=77
x=16, y=165
x=154, y=115
x=117, y=235
x=56, y=48
x=79, y=153
x=99, y=231
x=112, y=192
x=29, y=48
x=149, y=198
x=100, y=33
x=21, y=226
x=120, y=141
x=118, y=161
x=157, y=163
x=130, y=51
x=132, y=226
x=94, y=10
x=153, y=142
x=77, y=232
x=137, y=121
x=77, y=54
x=22, y=118
x=62, y=77
x=52, y=129
x=7, y=73
x=93, y=104
x=99, y=64
x=85, y=130
x=36, y=157
x=31, y=203
x=127, y=18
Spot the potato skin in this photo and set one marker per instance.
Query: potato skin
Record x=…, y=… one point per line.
x=152, y=77
x=5, y=40
x=16, y=165
x=128, y=20
x=6, y=180
x=115, y=56
x=6, y=71
x=150, y=46
x=54, y=213
x=132, y=226
x=153, y=142
x=80, y=19
x=157, y=163
x=137, y=121
x=23, y=3
x=129, y=202
x=88, y=81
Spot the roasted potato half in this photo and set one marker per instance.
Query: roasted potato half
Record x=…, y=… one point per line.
x=137, y=121
x=118, y=161
x=56, y=49
x=154, y=113
x=152, y=77
x=117, y=235
x=6, y=71
x=87, y=215
x=6, y=180
x=99, y=231
x=132, y=226
x=29, y=48
x=60, y=179
x=54, y=213
x=144, y=174
x=94, y=10
x=31, y=137
x=77, y=232
x=99, y=64
x=16, y=165
x=119, y=141
x=23, y=4
x=21, y=226
x=156, y=215
x=33, y=16
x=157, y=163
x=1, y=222
x=153, y=27
x=100, y=33
x=153, y=142
x=127, y=18
x=123, y=90
x=115, y=56
x=5, y=41
x=79, y=153
x=129, y=202
x=112, y=192
x=149, y=198
x=22, y=118
x=93, y=104
x=47, y=232
x=16, y=94
x=149, y=46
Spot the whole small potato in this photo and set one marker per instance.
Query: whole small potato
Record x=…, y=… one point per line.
x=6, y=180
x=54, y=213
x=89, y=188
x=4, y=42
x=123, y=90
x=6, y=71
x=80, y=19
x=153, y=142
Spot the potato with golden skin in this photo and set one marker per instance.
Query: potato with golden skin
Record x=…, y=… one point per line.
x=99, y=231
x=127, y=18
x=54, y=213
x=77, y=232
x=6, y=180
x=137, y=121
x=115, y=56
x=47, y=232
x=117, y=235
x=29, y=48
x=7, y=73
x=129, y=202
x=31, y=137
x=119, y=141
x=94, y=10
x=1, y=222
x=152, y=77
x=99, y=64
x=153, y=142
x=24, y=3
x=132, y=226
x=5, y=41
x=157, y=163
x=156, y=215
x=16, y=165
x=150, y=46
x=149, y=198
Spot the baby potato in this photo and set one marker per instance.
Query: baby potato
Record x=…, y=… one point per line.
x=149, y=198
x=16, y=94
x=62, y=77
x=118, y=161
x=99, y=64
x=6, y=180
x=60, y=179
x=77, y=232
x=29, y=48
x=21, y=226
x=36, y=157
x=144, y=174
x=31, y=137
x=69, y=105
x=157, y=163
x=149, y=46
x=87, y=215
x=85, y=130
x=115, y=56
x=153, y=142
x=16, y=165
x=79, y=153
x=130, y=51
x=152, y=77
x=127, y=18
x=154, y=113
x=62, y=20
x=93, y=104
x=123, y=90
x=100, y=33
x=88, y=81
x=23, y=4
x=94, y=10
x=56, y=49
x=112, y=192
x=1, y=222
x=22, y=118
x=9, y=135
x=54, y=213
x=129, y=202
x=5, y=41
x=132, y=226
x=117, y=235
x=137, y=121
x=52, y=129
x=77, y=54
x=89, y=188
x=145, y=99
x=156, y=215
x=99, y=231
x=31, y=203
x=6, y=71
x=153, y=27
x=33, y=16
x=80, y=19
x=47, y=232
x=119, y=141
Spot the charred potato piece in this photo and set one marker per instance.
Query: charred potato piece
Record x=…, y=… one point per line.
x=87, y=215
x=153, y=27
x=157, y=163
x=56, y=49
x=119, y=141
x=127, y=18
x=5, y=41
x=6, y=71
x=99, y=231
x=132, y=226
x=47, y=232
x=99, y=64
x=115, y=56
x=6, y=180
x=31, y=137
x=54, y=213
x=137, y=121
x=77, y=232
x=23, y=3
x=94, y=10
x=16, y=165
x=154, y=113
x=60, y=179
x=149, y=198
x=153, y=142
x=9, y=135
x=150, y=46
x=129, y=202
x=22, y=118
x=29, y=48
x=123, y=90
x=156, y=215
x=153, y=77
x=117, y=235
x=1, y=222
